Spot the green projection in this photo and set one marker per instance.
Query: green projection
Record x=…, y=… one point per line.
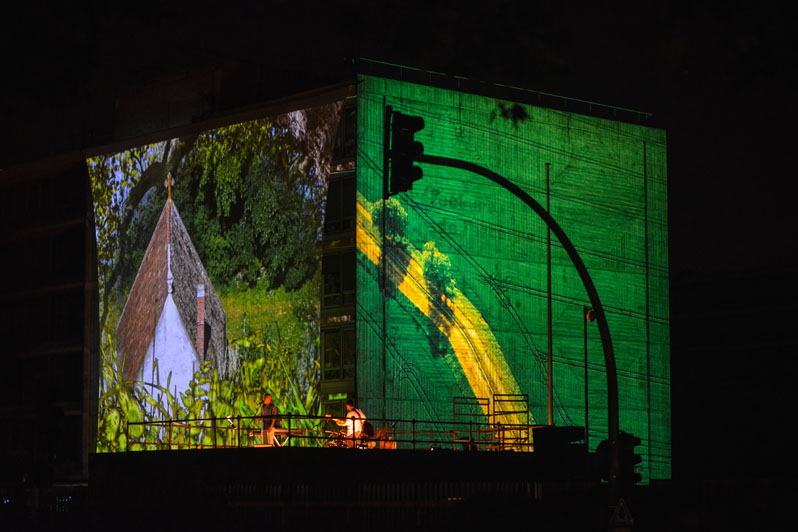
x=465, y=270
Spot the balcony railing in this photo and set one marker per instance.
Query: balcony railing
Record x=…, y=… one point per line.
x=321, y=431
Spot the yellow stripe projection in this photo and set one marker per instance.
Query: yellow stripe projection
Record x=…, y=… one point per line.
x=472, y=340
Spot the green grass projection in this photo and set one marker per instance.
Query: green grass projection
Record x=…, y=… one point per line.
x=608, y=192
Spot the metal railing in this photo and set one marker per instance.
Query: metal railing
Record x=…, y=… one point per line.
x=320, y=431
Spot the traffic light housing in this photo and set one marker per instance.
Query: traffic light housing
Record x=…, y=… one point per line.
x=629, y=458
x=404, y=151
x=603, y=459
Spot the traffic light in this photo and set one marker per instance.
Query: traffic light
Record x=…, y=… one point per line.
x=628, y=458
x=404, y=151
x=603, y=458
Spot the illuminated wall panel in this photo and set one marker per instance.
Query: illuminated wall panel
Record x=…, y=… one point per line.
x=464, y=264
x=209, y=270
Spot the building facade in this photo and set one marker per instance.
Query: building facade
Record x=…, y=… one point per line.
x=449, y=294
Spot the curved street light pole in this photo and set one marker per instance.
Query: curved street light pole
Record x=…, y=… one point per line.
x=598, y=309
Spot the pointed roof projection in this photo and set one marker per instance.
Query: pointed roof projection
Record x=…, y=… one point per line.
x=170, y=264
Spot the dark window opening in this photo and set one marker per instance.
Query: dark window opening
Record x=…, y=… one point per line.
x=346, y=138
x=339, y=216
x=338, y=353
x=334, y=408
x=339, y=279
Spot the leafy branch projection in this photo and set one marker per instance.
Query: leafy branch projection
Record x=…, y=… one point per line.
x=251, y=196
x=477, y=353
x=119, y=184
x=436, y=272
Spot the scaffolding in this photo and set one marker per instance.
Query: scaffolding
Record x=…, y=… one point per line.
x=470, y=418
x=511, y=420
x=491, y=424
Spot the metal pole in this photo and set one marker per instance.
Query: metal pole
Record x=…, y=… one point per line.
x=500, y=434
x=585, y=311
x=550, y=363
x=470, y=435
x=383, y=251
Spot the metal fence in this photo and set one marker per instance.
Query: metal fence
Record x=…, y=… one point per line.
x=321, y=431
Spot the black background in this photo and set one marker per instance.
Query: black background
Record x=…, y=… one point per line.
x=718, y=80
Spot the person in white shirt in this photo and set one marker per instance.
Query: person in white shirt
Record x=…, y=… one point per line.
x=353, y=423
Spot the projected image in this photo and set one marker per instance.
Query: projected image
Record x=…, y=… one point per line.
x=453, y=275
x=456, y=339
x=209, y=278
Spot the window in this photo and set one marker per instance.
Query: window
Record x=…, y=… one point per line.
x=335, y=408
x=346, y=139
x=339, y=217
x=339, y=279
x=338, y=353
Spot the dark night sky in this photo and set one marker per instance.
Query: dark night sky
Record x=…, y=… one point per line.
x=717, y=80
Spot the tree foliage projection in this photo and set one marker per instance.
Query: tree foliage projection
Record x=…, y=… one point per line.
x=251, y=197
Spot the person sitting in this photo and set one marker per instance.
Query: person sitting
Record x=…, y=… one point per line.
x=353, y=422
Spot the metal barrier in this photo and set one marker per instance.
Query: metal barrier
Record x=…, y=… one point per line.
x=314, y=431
